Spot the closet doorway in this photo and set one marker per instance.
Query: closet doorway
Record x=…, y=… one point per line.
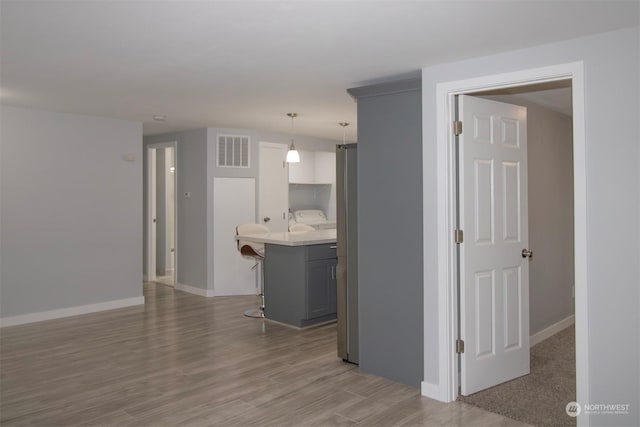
x=161, y=214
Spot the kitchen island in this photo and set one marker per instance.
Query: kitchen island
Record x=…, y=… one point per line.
x=299, y=276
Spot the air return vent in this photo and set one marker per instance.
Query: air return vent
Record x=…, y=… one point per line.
x=233, y=151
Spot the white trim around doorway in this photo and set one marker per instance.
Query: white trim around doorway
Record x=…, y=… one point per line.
x=447, y=388
x=149, y=261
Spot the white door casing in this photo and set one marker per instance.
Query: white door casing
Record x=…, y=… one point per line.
x=273, y=185
x=445, y=389
x=494, y=275
x=151, y=188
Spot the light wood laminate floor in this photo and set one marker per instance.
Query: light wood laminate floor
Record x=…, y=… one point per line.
x=186, y=360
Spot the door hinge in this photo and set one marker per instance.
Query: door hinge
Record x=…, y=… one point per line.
x=457, y=127
x=458, y=236
x=459, y=346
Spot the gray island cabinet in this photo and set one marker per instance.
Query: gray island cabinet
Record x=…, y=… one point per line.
x=299, y=276
x=300, y=284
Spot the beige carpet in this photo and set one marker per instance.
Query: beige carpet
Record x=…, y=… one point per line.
x=539, y=398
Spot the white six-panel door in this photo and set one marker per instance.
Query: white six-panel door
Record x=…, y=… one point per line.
x=494, y=276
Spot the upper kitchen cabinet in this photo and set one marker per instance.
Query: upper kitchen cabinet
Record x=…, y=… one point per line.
x=315, y=167
x=305, y=171
x=325, y=167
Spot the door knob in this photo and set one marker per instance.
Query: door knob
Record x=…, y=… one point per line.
x=266, y=219
x=527, y=253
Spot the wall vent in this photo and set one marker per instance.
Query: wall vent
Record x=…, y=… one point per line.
x=233, y=151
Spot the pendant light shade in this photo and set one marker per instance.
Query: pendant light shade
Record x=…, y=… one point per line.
x=292, y=155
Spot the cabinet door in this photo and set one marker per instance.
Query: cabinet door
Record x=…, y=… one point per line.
x=326, y=174
x=321, y=288
x=303, y=172
x=233, y=204
x=325, y=168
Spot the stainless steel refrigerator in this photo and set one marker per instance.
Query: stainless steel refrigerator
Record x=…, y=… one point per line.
x=347, y=215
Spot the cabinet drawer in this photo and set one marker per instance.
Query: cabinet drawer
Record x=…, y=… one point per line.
x=327, y=251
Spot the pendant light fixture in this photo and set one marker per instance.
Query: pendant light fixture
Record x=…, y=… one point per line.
x=292, y=155
x=344, y=131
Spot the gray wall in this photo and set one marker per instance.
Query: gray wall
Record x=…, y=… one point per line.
x=191, y=224
x=550, y=158
x=390, y=235
x=611, y=70
x=215, y=171
x=196, y=167
x=70, y=210
x=251, y=171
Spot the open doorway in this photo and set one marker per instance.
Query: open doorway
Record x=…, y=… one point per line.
x=161, y=262
x=539, y=397
x=446, y=210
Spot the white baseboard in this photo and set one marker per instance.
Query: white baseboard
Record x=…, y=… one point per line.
x=252, y=292
x=430, y=390
x=538, y=337
x=194, y=290
x=71, y=311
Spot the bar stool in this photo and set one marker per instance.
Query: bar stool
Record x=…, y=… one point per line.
x=253, y=251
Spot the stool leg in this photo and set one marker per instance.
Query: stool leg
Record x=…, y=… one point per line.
x=258, y=312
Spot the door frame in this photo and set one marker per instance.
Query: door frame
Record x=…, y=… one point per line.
x=151, y=184
x=447, y=389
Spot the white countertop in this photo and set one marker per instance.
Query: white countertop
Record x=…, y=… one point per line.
x=293, y=238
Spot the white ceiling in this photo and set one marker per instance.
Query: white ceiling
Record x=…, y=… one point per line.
x=246, y=64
